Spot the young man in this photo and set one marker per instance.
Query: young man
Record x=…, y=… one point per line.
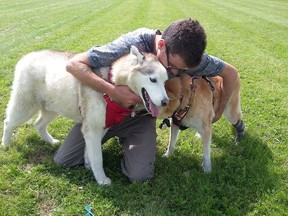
x=180, y=49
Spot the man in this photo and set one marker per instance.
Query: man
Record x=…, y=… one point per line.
x=180, y=49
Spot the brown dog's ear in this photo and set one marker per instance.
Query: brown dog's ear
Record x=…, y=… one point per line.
x=186, y=83
x=173, y=89
x=173, y=85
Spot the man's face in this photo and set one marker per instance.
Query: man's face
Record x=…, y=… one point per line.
x=172, y=62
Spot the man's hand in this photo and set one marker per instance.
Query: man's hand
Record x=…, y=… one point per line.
x=80, y=68
x=124, y=96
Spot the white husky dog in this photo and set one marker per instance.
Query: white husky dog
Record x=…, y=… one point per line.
x=42, y=84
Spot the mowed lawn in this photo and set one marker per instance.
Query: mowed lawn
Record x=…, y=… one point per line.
x=248, y=178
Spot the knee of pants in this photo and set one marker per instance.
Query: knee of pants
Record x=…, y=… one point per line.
x=57, y=161
x=68, y=162
x=138, y=172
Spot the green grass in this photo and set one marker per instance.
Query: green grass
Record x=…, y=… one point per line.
x=247, y=179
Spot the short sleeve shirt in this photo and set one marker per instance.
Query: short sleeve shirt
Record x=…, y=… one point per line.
x=209, y=66
x=103, y=56
x=143, y=39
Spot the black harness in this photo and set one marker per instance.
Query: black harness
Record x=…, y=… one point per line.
x=179, y=114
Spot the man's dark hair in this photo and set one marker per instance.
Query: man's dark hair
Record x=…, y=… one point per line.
x=186, y=38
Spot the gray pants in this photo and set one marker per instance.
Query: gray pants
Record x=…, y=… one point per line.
x=139, y=142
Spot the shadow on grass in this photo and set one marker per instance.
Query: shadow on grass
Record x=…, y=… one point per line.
x=37, y=152
x=240, y=178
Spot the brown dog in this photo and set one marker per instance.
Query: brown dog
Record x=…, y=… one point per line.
x=193, y=102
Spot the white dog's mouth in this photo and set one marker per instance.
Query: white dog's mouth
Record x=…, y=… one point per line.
x=150, y=106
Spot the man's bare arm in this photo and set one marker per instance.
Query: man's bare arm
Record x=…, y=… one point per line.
x=229, y=75
x=79, y=66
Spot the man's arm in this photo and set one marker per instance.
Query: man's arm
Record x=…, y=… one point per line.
x=79, y=66
x=229, y=75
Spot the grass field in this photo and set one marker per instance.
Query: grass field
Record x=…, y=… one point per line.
x=250, y=178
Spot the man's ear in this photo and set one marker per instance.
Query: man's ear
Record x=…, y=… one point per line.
x=161, y=44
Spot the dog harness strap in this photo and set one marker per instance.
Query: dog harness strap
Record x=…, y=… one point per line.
x=209, y=82
x=192, y=82
x=115, y=113
x=179, y=115
x=211, y=87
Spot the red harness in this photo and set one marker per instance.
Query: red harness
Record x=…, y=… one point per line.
x=114, y=112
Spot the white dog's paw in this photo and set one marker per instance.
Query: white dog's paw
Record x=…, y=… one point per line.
x=55, y=141
x=198, y=135
x=6, y=141
x=169, y=152
x=51, y=141
x=207, y=167
x=105, y=181
x=166, y=155
x=5, y=146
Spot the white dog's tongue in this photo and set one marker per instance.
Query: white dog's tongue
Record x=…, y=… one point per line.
x=153, y=108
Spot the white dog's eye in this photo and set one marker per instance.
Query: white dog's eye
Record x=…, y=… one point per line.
x=153, y=80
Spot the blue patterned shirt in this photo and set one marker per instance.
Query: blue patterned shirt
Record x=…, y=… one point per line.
x=209, y=66
x=143, y=39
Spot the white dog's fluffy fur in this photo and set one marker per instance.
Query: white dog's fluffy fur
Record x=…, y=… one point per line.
x=42, y=84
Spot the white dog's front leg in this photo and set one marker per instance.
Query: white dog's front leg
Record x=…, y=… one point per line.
x=87, y=163
x=93, y=111
x=95, y=158
x=174, y=133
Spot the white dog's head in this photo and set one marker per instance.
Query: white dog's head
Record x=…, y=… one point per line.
x=145, y=76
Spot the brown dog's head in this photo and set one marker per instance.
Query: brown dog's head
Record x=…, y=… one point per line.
x=174, y=90
x=192, y=96
x=178, y=91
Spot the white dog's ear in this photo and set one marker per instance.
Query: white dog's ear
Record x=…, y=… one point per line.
x=138, y=57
